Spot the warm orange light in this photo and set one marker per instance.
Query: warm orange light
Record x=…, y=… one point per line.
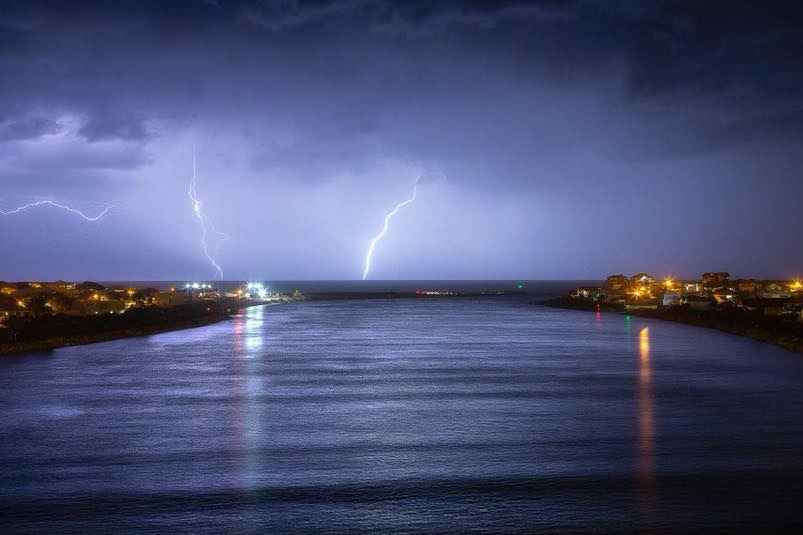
x=644, y=343
x=21, y=303
x=646, y=420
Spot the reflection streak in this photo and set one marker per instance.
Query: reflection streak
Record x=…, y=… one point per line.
x=646, y=421
x=248, y=430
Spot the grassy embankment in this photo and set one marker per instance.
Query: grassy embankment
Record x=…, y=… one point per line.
x=23, y=335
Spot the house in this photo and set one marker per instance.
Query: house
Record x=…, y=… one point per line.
x=616, y=283
x=60, y=286
x=775, y=290
x=670, y=298
x=724, y=295
x=587, y=292
x=10, y=307
x=712, y=279
x=692, y=287
x=749, y=287
x=642, y=279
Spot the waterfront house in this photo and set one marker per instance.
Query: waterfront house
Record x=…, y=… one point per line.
x=616, y=283
x=749, y=287
x=587, y=292
x=692, y=287
x=60, y=286
x=670, y=298
x=724, y=295
x=712, y=279
x=642, y=279
x=775, y=290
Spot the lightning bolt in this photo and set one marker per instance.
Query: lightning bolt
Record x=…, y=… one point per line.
x=385, y=229
x=61, y=206
x=202, y=220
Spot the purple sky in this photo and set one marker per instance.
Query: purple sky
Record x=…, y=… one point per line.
x=558, y=140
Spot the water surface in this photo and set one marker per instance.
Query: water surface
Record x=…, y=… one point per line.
x=405, y=415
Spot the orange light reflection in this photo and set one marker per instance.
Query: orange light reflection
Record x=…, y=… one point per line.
x=646, y=422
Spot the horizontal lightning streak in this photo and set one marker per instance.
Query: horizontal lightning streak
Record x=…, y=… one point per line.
x=61, y=206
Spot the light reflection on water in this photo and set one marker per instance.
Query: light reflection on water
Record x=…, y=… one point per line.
x=403, y=415
x=646, y=425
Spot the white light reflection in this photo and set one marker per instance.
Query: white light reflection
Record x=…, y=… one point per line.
x=253, y=329
x=248, y=428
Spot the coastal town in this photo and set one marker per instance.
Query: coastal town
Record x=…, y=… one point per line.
x=34, y=299
x=44, y=315
x=713, y=291
x=765, y=310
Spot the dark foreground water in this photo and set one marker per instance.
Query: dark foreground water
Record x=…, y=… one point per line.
x=464, y=415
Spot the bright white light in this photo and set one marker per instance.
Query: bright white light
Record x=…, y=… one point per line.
x=61, y=206
x=385, y=229
x=202, y=220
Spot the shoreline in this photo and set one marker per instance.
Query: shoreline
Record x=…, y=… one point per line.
x=49, y=344
x=708, y=320
x=56, y=342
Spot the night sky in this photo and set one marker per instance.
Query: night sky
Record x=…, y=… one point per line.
x=554, y=140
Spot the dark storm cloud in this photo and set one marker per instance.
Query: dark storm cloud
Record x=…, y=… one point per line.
x=28, y=128
x=400, y=19
x=108, y=128
x=569, y=104
x=156, y=57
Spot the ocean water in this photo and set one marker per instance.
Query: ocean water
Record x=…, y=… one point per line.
x=539, y=289
x=405, y=416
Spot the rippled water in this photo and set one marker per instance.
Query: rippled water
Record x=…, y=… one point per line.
x=405, y=416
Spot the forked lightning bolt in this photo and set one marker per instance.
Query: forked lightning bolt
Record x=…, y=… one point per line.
x=385, y=229
x=202, y=220
x=61, y=206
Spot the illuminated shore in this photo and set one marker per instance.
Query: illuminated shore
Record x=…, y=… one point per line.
x=53, y=332
x=767, y=329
